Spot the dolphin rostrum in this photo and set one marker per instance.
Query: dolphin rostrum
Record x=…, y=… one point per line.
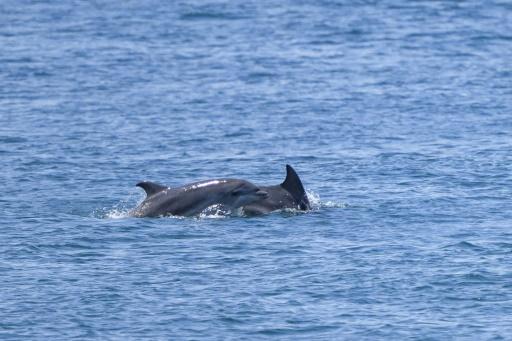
x=289, y=194
x=194, y=198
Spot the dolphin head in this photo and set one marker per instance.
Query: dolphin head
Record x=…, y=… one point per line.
x=241, y=192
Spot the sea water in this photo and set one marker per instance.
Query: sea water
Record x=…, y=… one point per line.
x=397, y=116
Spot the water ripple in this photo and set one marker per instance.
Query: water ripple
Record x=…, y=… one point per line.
x=395, y=114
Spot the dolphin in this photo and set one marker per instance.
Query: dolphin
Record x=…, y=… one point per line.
x=192, y=199
x=289, y=194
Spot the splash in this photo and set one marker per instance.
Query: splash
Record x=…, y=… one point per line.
x=317, y=203
x=314, y=199
x=117, y=214
x=216, y=212
x=120, y=210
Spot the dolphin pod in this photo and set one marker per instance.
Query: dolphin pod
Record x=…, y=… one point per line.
x=230, y=194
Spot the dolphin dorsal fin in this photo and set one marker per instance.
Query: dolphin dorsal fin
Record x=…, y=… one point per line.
x=294, y=186
x=151, y=187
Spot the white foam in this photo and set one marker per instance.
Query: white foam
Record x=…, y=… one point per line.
x=215, y=212
x=317, y=203
x=117, y=214
x=122, y=209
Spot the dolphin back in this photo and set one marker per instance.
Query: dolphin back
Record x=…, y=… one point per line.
x=294, y=186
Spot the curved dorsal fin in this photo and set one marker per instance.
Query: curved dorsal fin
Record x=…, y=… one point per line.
x=294, y=186
x=151, y=187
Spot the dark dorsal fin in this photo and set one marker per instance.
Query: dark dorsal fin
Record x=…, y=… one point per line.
x=294, y=186
x=151, y=187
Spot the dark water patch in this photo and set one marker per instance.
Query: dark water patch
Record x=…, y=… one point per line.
x=501, y=248
x=211, y=16
x=465, y=245
x=282, y=332
x=463, y=235
x=178, y=236
x=240, y=133
x=255, y=77
x=12, y=139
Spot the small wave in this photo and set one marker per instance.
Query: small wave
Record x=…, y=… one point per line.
x=464, y=245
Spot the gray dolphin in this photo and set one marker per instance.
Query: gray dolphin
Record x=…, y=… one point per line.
x=192, y=199
x=289, y=194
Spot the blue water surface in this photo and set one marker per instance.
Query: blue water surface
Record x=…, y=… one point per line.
x=396, y=114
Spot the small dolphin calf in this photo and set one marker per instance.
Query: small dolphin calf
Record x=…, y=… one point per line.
x=289, y=194
x=192, y=199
